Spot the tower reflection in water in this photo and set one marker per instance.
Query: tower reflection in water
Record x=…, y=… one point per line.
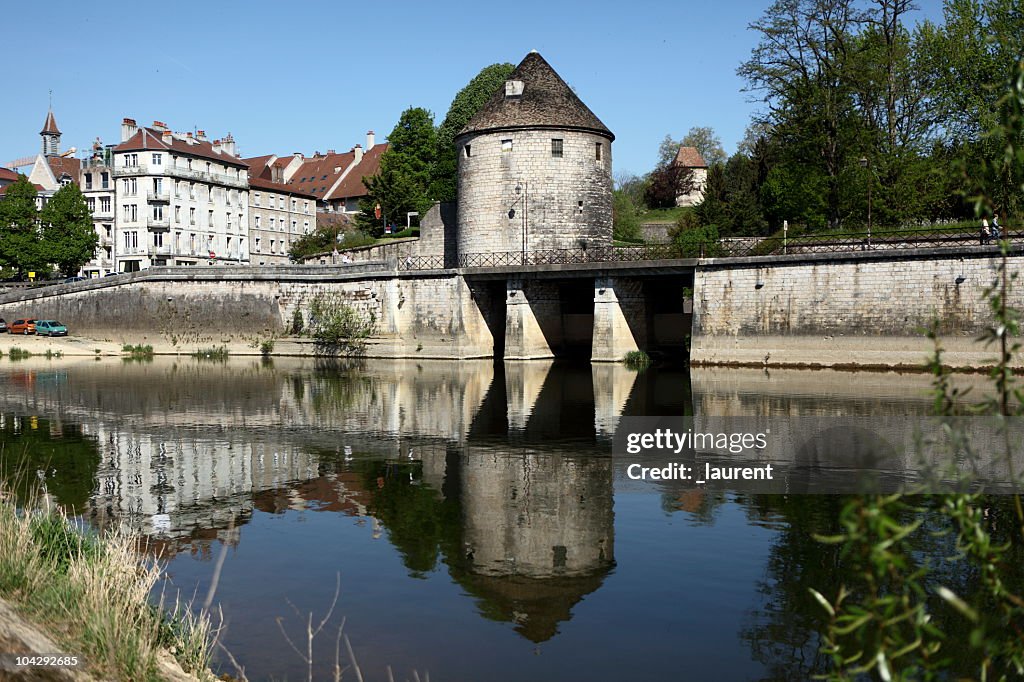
x=500, y=473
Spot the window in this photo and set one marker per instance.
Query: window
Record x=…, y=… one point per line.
x=469, y=150
x=579, y=206
x=295, y=204
x=158, y=159
x=295, y=226
x=256, y=199
x=271, y=223
x=158, y=239
x=91, y=204
x=556, y=147
x=273, y=246
x=506, y=146
x=209, y=221
x=305, y=227
x=158, y=186
x=158, y=212
x=192, y=216
x=257, y=245
x=305, y=207
x=177, y=214
x=105, y=180
x=257, y=222
x=597, y=151
x=191, y=190
x=104, y=204
x=88, y=180
x=131, y=240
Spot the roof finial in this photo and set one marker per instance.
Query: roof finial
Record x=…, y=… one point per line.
x=51, y=99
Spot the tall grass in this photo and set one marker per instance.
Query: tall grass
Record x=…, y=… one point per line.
x=91, y=592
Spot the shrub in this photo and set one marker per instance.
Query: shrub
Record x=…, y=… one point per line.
x=338, y=326
x=637, y=360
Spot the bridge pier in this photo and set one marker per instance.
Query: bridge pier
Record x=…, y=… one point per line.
x=620, y=318
x=532, y=319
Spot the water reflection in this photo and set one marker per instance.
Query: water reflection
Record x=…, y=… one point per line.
x=497, y=477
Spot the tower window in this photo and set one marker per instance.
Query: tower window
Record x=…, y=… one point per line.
x=506, y=145
x=597, y=151
x=469, y=151
x=556, y=147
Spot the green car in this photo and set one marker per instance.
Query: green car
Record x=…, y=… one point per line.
x=50, y=328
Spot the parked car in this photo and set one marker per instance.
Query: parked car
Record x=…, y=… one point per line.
x=51, y=328
x=71, y=280
x=23, y=327
x=3, y=325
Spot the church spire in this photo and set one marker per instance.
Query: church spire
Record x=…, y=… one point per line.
x=51, y=135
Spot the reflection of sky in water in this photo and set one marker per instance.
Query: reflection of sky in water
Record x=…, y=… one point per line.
x=499, y=550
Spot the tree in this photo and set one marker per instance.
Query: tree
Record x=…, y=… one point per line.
x=667, y=151
x=802, y=66
x=707, y=143
x=625, y=221
x=20, y=243
x=467, y=102
x=665, y=184
x=69, y=239
x=402, y=183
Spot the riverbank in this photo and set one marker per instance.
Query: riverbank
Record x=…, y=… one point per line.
x=86, y=598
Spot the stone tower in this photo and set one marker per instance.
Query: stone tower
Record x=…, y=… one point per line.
x=51, y=136
x=535, y=169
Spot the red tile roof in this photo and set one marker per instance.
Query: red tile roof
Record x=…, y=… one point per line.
x=64, y=164
x=262, y=183
x=51, y=124
x=689, y=157
x=8, y=174
x=318, y=174
x=149, y=138
x=352, y=185
x=258, y=167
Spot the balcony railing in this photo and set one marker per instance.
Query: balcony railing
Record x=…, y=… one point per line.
x=124, y=171
x=158, y=195
x=158, y=222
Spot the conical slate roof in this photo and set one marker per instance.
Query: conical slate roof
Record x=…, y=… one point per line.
x=546, y=102
x=51, y=125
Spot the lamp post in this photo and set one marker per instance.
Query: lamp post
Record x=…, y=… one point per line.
x=522, y=194
x=864, y=163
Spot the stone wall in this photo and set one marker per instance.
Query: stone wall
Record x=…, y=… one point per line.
x=417, y=315
x=849, y=309
x=562, y=201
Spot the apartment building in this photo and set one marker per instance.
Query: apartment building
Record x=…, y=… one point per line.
x=279, y=213
x=180, y=199
x=97, y=184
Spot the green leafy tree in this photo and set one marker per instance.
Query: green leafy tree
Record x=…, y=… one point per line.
x=625, y=221
x=467, y=102
x=69, y=238
x=704, y=140
x=21, y=247
x=403, y=181
x=667, y=151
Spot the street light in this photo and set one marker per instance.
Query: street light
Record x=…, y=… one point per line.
x=864, y=163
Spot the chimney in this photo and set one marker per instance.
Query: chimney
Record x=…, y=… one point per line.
x=166, y=137
x=358, y=151
x=330, y=151
x=297, y=156
x=159, y=126
x=370, y=140
x=228, y=145
x=189, y=138
x=201, y=135
x=128, y=128
x=216, y=146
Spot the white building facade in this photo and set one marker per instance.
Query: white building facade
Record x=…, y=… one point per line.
x=179, y=199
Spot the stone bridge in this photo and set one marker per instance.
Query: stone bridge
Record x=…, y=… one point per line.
x=863, y=306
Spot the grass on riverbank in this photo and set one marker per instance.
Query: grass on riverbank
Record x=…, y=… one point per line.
x=91, y=593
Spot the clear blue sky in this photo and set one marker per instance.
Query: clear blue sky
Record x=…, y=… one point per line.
x=312, y=75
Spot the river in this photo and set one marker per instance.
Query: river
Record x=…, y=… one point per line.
x=470, y=513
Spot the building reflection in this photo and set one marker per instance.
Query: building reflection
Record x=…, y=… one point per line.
x=471, y=466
